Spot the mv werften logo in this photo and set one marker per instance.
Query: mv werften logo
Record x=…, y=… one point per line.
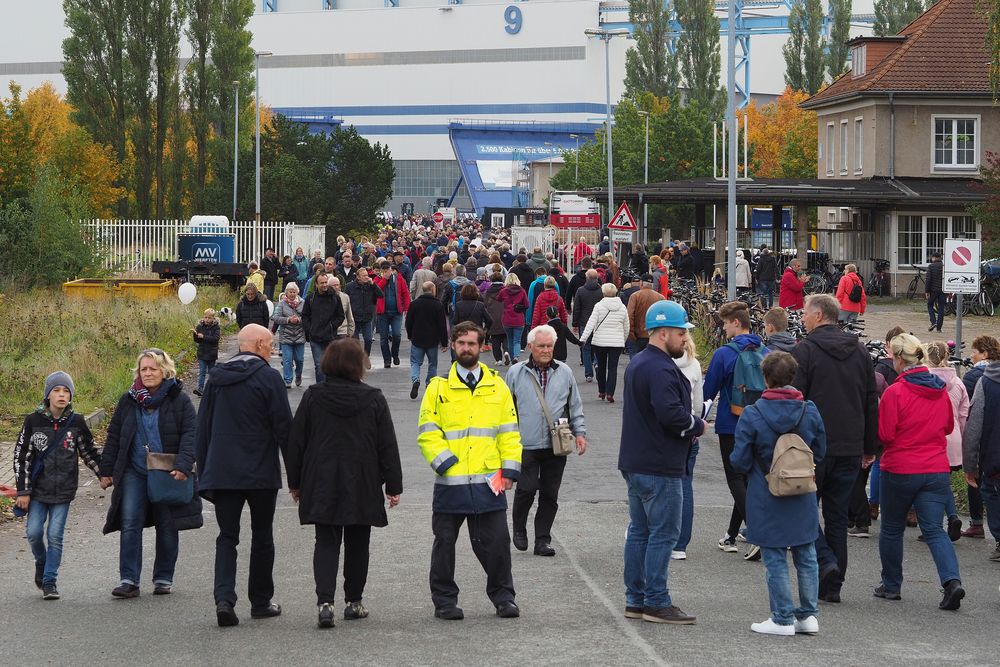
x=207, y=252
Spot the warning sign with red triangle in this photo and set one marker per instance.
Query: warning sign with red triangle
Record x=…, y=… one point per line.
x=623, y=219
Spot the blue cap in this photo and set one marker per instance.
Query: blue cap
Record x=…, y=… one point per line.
x=667, y=314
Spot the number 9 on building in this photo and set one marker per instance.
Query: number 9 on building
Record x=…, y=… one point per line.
x=512, y=16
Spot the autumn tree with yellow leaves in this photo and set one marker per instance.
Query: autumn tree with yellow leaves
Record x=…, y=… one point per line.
x=783, y=138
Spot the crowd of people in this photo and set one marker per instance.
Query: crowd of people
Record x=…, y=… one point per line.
x=804, y=428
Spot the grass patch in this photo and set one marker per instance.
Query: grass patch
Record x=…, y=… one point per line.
x=95, y=340
x=960, y=489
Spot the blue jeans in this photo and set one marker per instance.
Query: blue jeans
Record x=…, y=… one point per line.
x=779, y=586
x=936, y=302
x=687, y=513
x=390, y=334
x=317, y=350
x=654, y=507
x=587, y=352
x=292, y=352
x=134, y=505
x=990, y=491
x=928, y=495
x=51, y=555
x=873, y=482
x=513, y=341
x=417, y=355
x=766, y=289
x=204, y=367
x=365, y=331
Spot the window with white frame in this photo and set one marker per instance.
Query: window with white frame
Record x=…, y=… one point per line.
x=956, y=144
x=964, y=227
x=843, y=146
x=830, y=158
x=918, y=236
x=910, y=243
x=858, y=54
x=937, y=232
x=859, y=145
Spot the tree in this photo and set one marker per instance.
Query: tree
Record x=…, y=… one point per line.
x=804, y=50
x=783, y=142
x=991, y=8
x=698, y=51
x=649, y=65
x=891, y=16
x=840, y=28
x=139, y=35
x=17, y=164
x=198, y=82
x=168, y=17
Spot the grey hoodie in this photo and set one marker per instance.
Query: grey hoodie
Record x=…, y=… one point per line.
x=972, y=437
x=781, y=341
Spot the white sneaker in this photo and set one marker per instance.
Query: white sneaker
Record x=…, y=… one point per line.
x=807, y=626
x=678, y=555
x=728, y=544
x=769, y=627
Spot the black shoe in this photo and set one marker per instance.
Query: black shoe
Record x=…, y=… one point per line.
x=449, y=613
x=298, y=382
x=954, y=528
x=831, y=596
x=544, y=549
x=325, y=615
x=826, y=578
x=39, y=572
x=752, y=554
x=395, y=361
x=354, y=611
x=633, y=613
x=932, y=327
x=196, y=392
x=162, y=589
x=520, y=540
x=388, y=365
x=225, y=615
x=508, y=610
x=270, y=611
x=671, y=615
x=881, y=592
x=49, y=592
x=415, y=389
x=953, y=594
x=126, y=591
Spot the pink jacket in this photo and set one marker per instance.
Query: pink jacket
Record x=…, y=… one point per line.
x=959, y=408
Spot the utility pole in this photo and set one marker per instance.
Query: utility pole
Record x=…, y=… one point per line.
x=256, y=223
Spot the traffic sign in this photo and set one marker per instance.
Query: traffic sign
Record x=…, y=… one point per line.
x=623, y=219
x=438, y=217
x=961, y=266
x=621, y=236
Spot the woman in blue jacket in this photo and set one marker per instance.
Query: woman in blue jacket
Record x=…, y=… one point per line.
x=774, y=523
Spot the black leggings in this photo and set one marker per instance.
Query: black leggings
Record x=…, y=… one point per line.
x=326, y=558
x=499, y=343
x=607, y=368
x=737, y=484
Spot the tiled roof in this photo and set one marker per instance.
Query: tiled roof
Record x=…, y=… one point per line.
x=945, y=52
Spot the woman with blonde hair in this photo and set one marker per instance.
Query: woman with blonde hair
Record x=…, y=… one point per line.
x=691, y=368
x=607, y=330
x=937, y=354
x=915, y=418
x=154, y=416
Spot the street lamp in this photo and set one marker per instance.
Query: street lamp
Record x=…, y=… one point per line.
x=236, y=142
x=731, y=123
x=576, y=176
x=606, y=36
x=645, y=207
x=256, y=236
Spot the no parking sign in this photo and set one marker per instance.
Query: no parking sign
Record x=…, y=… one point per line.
x=961, y=266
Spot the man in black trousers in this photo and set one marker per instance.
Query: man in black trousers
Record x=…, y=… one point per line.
x=936, y=297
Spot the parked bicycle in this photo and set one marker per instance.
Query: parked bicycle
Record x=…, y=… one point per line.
x=878, y=283
x=918, y=285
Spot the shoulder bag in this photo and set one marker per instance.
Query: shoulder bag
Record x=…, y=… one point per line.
x=160, y=486
x=560, y=435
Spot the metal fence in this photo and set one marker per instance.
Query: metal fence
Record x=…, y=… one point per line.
x=133, y=245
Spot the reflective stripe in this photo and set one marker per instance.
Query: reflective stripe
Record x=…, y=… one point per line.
x=463, y=480
x=479, y=432
x=509, y=428
x=429, y=426
x=511, y=465
x=441, y=458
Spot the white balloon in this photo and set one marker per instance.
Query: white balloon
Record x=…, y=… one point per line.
x=270, y=308
x=186, y=293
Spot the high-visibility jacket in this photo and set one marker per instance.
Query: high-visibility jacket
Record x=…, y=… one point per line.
x=466, y=436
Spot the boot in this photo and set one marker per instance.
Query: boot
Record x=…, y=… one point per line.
x=873, y=510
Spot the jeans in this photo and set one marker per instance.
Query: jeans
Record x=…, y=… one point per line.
x=491, y=545
x=936, y=302
x=587, y=354
x=204, y=367
x=990, y=491
x=290, y=353
x=389, y=332
x=928, y=495
x=269, y=290
x=326, y=557
x=364, y=331
x=134, y=505
x=50, y=556
x=737, y=482
x=228, y=511
x=541, y=471
x=654, y=507
x=835, y=477
x=607, y=368
x=873, y=481
x=513, y=341
x=766, y=289
x=302, y=286
x=417, y=355
x=687, y=512
x=779, y=586
x=317, y=350
x=847, y=316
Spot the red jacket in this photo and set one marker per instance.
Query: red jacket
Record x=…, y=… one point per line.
x=791, y=293
x=549, y=297
x=512, y=296
x=914, y=420
x=844, y=288
x=582, y=250
x=402, y=294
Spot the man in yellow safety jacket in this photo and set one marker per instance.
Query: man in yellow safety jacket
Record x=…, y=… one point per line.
x=468, y=433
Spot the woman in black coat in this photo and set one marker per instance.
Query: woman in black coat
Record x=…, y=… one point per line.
x=252, y=308
x=470, y=308
x=341, y=451
x=155, y=414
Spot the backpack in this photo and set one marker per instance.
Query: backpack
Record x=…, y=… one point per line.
x=454, y=298
x=856, y=292
x=793, y=471
x=748, y=378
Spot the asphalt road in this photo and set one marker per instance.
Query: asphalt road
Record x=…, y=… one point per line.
x=571, y=604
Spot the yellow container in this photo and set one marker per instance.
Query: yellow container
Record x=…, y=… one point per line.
x=93, y=288
x=89, y=288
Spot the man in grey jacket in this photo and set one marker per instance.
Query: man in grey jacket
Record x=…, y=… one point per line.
x=541, y=469
x=420, y=276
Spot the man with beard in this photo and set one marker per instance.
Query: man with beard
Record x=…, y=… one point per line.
x=657, y=431
x=468, y=433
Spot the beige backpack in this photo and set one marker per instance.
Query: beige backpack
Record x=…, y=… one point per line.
x=793, y=471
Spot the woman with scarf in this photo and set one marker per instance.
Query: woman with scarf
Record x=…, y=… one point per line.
x=291, y=336
x=155, y=415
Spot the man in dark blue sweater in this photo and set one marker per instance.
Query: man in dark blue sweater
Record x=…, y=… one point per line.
x=657, y=431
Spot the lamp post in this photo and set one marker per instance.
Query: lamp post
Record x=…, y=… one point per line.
x=732, y=129
x=236, y=141
x=256, y=224
x=576, y=175
x=606, y=37
x=645, y=179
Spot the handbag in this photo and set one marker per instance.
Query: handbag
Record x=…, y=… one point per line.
x=560, y=435
x=160, y=486
x=594, y=332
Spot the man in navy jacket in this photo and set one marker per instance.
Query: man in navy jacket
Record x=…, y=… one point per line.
x=657, y=431
x=243, y=422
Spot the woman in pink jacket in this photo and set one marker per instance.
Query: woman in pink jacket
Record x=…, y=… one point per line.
x=937, y=363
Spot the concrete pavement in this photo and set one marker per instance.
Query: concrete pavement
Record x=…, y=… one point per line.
x=571, y=604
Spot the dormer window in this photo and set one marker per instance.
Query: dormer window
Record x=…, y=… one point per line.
x=858, y=55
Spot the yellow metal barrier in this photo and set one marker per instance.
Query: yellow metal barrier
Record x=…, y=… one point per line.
x=94, y=288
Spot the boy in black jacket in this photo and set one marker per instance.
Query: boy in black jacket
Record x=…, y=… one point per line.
x=206, y=335
x=47, y=475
